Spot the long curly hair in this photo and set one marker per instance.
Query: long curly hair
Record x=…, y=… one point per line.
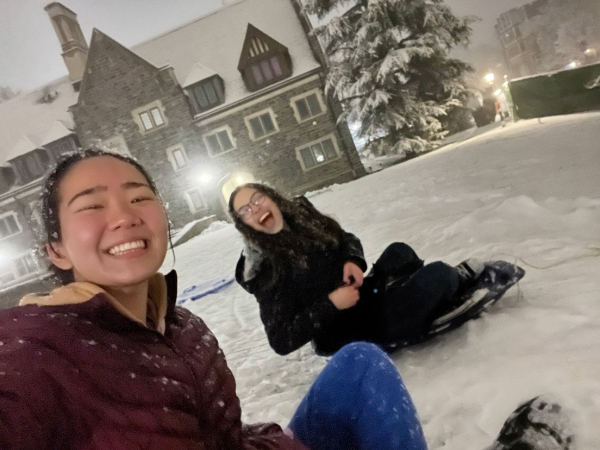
x=307, y=230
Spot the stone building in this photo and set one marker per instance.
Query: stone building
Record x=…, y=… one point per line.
x=548, y=35
x=231, y=97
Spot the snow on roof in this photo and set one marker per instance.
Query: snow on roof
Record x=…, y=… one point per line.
x=59, y=130
x=24, y=118
x=198, y=73
x=216, y=41
x=25, y=144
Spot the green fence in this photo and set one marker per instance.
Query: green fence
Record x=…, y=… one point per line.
x=565, y=92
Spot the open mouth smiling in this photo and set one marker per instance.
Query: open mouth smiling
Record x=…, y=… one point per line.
x=264, y=218
x=127, y=247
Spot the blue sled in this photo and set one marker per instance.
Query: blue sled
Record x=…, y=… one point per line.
x=197, y=291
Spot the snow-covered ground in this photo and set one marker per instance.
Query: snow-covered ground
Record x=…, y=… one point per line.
x=530, y=193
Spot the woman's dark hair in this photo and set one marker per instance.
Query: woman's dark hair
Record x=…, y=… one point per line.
x=307, y=229
x=50, y=199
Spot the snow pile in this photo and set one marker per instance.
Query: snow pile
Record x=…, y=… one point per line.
x=527, y=193
x=215, y=226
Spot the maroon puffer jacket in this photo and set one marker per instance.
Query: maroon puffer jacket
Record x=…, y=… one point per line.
x=80, y=374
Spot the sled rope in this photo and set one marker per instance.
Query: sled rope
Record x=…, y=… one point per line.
x=594, y=249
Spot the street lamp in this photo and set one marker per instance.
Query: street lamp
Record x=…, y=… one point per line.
x=205, y=178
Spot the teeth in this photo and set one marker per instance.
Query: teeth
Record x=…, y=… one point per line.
x=120, y=249
x=263, y=217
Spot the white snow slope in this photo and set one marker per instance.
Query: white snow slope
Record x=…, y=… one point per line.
x=531, y=191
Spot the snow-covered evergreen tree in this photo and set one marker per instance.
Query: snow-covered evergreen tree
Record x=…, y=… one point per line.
x=390, y=68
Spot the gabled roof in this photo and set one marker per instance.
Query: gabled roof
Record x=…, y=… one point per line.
x=101, y=42
x=216, y=41
x=257, y=43
x=24, y=145
x=24, y=117
x=58, y=131
x=198, y=73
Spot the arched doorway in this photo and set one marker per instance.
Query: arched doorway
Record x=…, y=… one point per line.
x=233, y=181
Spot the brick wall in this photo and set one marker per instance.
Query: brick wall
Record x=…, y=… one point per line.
x=273, y=159
x=117, y=83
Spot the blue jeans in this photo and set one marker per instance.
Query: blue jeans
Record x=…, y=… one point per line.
x=358, y=402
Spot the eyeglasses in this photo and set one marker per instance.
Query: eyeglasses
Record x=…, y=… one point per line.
x=245, y=212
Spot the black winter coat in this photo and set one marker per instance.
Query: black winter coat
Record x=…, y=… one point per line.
x=295, y=309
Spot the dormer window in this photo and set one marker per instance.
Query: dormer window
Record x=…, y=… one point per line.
x=204, y=88
x=263, y=61
x=207, y=94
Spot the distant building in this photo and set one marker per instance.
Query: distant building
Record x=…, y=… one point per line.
x=231, y=97
x=547, y=35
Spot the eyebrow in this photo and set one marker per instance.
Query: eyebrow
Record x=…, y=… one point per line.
x=93, y=190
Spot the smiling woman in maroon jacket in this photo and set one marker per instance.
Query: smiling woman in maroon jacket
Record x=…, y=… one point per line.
x=108, y=362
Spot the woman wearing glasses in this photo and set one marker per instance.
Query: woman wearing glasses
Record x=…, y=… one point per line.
x=307, y=274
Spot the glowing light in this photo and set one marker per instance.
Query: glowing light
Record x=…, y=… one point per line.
x=240, y=180
x=205, y=178
x=590, y=51
x=490, y=77
x=498, y=92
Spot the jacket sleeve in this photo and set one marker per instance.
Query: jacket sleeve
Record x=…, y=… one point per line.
x=352, y=251
x=288, y=323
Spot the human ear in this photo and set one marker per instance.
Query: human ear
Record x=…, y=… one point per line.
x=56, y=255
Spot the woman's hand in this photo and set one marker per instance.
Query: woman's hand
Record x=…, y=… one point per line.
x=345, y=297
x=353, y=275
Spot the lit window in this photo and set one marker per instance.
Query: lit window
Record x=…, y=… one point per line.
x=308, y=105
x=266, y=71
x=9, y=226
x=318, y=153
x=219, y=141
x=263, y=60
x=195, y=200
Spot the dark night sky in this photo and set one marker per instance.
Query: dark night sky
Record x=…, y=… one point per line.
x=30, y=53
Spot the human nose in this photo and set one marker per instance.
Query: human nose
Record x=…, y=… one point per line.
x=123, y=216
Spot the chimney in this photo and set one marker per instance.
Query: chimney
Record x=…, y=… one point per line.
x=72, y=41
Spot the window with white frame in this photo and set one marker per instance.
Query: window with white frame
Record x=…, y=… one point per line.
x=318, y=152
x=219, y=141
x=177, y=156
x=149, y=117
x=308, y=105
x=25, y=265
x=6, y=275
x=36, y=214
x=195, y=199
x=261, y=124
x=9, y=225
x=19, y=267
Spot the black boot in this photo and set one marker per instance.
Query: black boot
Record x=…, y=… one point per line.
x=539, y=424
